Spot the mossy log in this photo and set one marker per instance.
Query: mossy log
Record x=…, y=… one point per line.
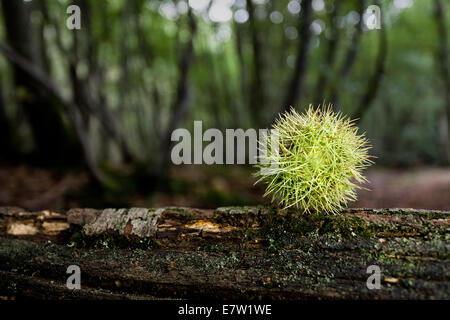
x=227, y=253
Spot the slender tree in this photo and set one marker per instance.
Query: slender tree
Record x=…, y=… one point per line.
x=375, y=79
x=443, y=60
x=53, y=140
x=349, y=59
x=181, y=104
x=295, y=85
x=257, y=95
x=6, y=138
x=330, y=55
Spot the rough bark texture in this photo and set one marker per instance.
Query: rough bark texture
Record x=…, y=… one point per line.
x=227, y=253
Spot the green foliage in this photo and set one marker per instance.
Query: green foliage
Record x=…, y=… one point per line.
x=129, y=53
x=320, y=158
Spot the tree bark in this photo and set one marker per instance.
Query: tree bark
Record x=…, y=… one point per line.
x=227, y=253
x=349, y=59
x=375, y=80
x=325, y=70
x=180, y=107
x=52, y=139
x=257, y=94
x=6, y=137
x=244, y=85
x=295, y=86
x=443, y=61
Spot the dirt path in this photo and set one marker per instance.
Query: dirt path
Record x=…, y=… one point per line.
x=208, y=187
x=427, y=188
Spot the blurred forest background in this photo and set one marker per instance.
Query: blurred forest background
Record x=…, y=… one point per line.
x=86, y=115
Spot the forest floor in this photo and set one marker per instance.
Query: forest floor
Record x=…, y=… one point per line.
x=209, y=187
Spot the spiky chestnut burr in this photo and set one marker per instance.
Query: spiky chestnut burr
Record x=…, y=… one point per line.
x=320, y=160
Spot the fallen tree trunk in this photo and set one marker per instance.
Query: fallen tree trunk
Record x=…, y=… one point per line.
x=227, y=253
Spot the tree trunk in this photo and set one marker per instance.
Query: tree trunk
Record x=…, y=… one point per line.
x=53, y=142
x=227, y=253
x=349, y=59
x=376, y=78
x=330, y=56
x=443, y=62
x=8, y=152
x=295, y=86
x=257, y=95
x=179, y=110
